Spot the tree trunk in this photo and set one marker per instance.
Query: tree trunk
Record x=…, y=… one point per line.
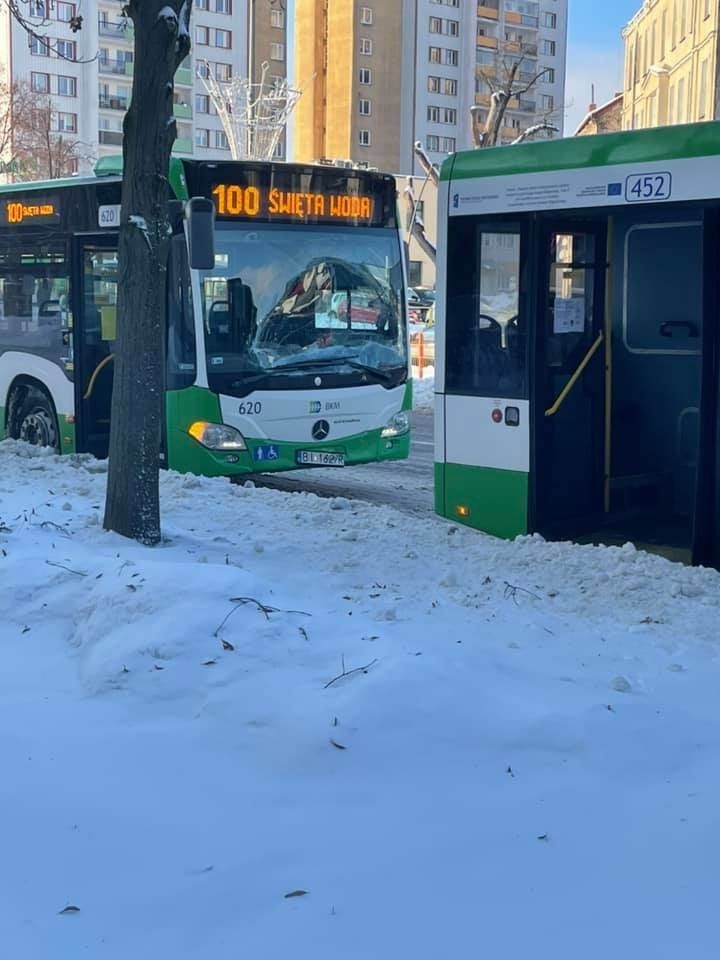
x=132, y=506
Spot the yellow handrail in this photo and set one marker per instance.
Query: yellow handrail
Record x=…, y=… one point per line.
x=576, y=376
x=103, y=363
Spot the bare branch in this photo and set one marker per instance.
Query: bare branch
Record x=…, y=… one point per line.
x=534, y=130
x=348, y=673
x=431, y=170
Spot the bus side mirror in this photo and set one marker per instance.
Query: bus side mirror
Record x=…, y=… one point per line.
x=200, y=216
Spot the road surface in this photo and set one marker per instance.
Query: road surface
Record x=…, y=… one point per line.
x=404, y=484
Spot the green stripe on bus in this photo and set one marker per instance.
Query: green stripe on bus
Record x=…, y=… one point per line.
x=496, y=501
x=657, y=143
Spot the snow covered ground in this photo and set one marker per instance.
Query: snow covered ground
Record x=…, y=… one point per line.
x=527, y=766
x=423, y=388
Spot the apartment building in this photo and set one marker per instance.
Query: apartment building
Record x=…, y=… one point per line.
x=671, y=63
x=379, y=76
x=88, y=73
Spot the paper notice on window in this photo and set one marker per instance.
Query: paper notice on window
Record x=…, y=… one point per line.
x=569, y=315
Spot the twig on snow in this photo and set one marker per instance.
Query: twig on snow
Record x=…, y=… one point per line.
x=348, y=673
x=55, y=526
x=263, y=607
x=512, y=591
x=51, y=563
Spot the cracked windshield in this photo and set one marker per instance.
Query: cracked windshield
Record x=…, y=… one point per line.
x=277, y=303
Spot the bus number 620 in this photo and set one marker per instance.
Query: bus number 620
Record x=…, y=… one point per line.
x=249, y=407
x=646, y=187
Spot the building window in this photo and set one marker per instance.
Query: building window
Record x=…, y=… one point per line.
x=414, y=273
x=40, y=82
x=365, y=108
x=38, y=9
x=67, y=122
x=223, y=72
x=452, y=28
x=549, y=75
x=202, y=4
x=550, y=21
x=366, y=16
x=223, y=39
x=548, y=102
x=548, y=48
x=66, y=49
x=202, y=103
x=65, y=11
x=435, y=25
x=432, y=143
x=450, y=87
x=277, y=19
x=435, y=54
x=39, y=47
x=365, y=47
x=221, y=140
x=451, y=58
x=67, y=86
x=223, y=6
x=202, y=36
x=277, y=51
x=449, y=115
x=447, y=144
x=365, y=76
x=434, y=84
x=703, y=89
x=202, y=137
x=433, y=114
x=364, y=138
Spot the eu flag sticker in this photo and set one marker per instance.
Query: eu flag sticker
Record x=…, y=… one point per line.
x=614, y=189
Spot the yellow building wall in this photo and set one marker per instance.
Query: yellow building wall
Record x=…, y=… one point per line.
x=671, y=59
x=341, y=66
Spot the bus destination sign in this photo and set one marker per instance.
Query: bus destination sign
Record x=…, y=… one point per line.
x=20, y=213
x=251, y=202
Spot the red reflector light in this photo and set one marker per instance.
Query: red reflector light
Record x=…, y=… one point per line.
x=497, y=415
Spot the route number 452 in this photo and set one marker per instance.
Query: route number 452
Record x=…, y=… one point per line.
x=646, y=187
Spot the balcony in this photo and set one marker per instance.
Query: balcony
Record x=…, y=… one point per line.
x=183, y=111
x=183, y=145
x=113, y=103
x=123, y=68
x=110, y=137
x=116, y=29
x=487, y=12
x=489, y=43
x=183, y=76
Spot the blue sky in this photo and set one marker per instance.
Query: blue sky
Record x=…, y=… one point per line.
x=595, y=53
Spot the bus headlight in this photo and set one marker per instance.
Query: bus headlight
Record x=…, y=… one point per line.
x=217, y=436
x=396, y=426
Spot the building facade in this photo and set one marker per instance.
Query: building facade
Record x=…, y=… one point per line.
x=606, y=118
x=380, y=76
x=87, y=75
x=671, y=63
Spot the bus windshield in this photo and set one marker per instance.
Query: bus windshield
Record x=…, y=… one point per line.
x=285, y=303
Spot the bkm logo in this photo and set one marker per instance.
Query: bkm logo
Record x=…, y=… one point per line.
x=315, y=406
x=456, y=200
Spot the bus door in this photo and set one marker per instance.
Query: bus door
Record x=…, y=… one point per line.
x=567, y=493
x=656, y=376
x=95, y=319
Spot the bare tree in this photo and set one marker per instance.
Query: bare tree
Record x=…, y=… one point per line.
x=162, y=41
x=414, y=223
x=39, y=149
x=507, y=84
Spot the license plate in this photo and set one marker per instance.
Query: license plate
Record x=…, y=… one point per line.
x=319, y=458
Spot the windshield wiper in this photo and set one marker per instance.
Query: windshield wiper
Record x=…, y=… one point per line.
x=384, y=376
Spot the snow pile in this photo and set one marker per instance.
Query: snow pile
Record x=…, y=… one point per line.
x=423, y=390
x=317, y=728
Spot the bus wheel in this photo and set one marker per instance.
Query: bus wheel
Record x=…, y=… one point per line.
x=36, y=422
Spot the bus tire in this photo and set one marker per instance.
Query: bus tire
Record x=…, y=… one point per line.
x=33, y=418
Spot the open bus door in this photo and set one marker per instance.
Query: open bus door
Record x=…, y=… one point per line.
x=95, y=315
x=566, y=491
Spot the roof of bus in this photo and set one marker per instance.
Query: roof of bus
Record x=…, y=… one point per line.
x=571, y=153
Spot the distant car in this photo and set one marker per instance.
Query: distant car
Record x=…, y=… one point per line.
x=362, y=308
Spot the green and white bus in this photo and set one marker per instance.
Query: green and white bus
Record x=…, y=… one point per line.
x=291, y=352
x=578, y=340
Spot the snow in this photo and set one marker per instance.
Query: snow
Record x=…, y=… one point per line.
x=423, y=388
x=528, y=765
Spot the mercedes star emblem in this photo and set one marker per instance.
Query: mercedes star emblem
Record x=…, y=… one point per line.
x=320, y=430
